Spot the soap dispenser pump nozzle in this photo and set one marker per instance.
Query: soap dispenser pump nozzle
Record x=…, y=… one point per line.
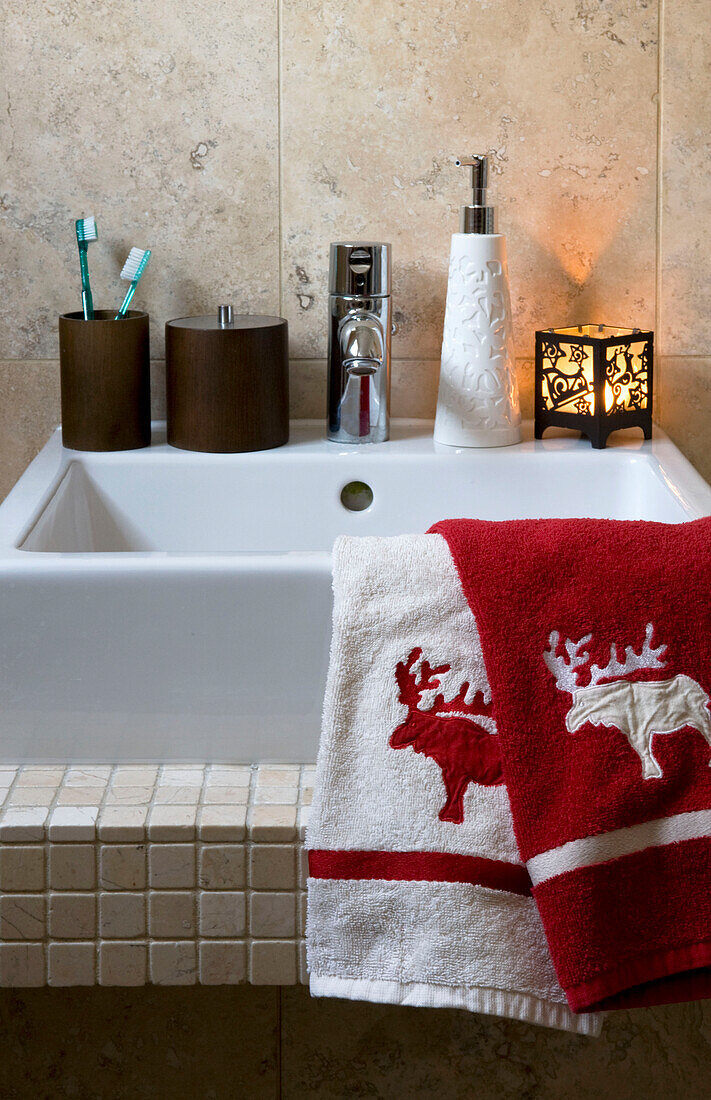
x=477, y=217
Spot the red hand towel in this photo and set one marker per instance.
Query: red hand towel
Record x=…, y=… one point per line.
x=597, y=641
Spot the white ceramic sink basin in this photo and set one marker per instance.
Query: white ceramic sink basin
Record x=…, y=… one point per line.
x=166, y=605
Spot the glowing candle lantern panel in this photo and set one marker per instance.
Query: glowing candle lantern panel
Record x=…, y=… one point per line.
x=594, y=379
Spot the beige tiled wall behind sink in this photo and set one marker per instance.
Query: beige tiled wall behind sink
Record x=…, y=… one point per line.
x=238, y=139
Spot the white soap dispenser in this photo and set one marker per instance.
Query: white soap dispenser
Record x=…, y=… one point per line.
x=477, y=404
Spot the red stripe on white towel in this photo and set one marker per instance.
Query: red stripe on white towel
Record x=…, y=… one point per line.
x=495, y=874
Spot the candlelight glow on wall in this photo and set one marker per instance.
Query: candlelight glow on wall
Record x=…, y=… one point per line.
x=594, y=379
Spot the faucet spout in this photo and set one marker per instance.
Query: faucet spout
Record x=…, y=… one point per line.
x=362, y=348
x=359, y=348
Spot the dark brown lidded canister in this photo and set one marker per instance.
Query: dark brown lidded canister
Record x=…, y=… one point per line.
x=227, y=382
x=105, y=380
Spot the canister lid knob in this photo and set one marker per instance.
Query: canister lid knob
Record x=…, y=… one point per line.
x=225, y=316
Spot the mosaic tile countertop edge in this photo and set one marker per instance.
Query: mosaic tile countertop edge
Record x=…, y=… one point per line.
x=153, y=874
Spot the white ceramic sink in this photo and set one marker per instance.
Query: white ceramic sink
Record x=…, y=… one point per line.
x=166, y=605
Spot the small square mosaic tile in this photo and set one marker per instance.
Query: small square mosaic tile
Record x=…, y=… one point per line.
x=138, y=874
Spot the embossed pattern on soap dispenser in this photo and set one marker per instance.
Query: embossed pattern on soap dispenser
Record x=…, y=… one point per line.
x=478, y=380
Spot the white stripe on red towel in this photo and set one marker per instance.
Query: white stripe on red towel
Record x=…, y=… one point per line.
x=620, y=842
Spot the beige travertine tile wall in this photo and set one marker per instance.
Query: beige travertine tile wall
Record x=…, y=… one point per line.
x=684, y=316
x=238, y=139
x=162, y=121
x=684, y=324
x=374, y=105
x=29, y=410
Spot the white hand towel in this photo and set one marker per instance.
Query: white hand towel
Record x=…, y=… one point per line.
x=416, y=893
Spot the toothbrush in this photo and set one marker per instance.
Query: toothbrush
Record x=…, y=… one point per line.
x=133, y=269
x=86, y=231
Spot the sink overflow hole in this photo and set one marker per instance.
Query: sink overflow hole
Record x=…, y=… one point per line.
x=356, y=496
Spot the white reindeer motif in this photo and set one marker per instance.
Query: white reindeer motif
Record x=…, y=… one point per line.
x=639, y=710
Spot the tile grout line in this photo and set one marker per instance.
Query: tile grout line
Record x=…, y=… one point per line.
x=280, y=178
x=98, y=891
x=398, y=359
x=658, y=288
x=44, y=845
x=197, y=891
x=46, y=939
x=147, y=938
x=321, y=359
x=251, y=802
x=278, y=1081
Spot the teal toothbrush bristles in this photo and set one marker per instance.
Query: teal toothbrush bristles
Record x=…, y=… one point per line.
x=86, y=231
x=133, y=269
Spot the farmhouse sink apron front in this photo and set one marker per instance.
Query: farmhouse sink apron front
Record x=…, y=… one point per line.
x=165, y=605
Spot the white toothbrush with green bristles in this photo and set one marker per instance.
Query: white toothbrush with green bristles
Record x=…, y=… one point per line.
x=86, y=231
x=133, y=269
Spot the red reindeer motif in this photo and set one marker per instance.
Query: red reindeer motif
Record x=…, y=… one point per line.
x=464, y=750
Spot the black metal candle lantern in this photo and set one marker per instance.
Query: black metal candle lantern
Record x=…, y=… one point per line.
x=594, y=379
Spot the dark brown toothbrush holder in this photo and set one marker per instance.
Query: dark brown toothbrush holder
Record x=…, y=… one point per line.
x=105, y=381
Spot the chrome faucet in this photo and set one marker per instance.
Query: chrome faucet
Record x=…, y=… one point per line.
x=359, y=343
